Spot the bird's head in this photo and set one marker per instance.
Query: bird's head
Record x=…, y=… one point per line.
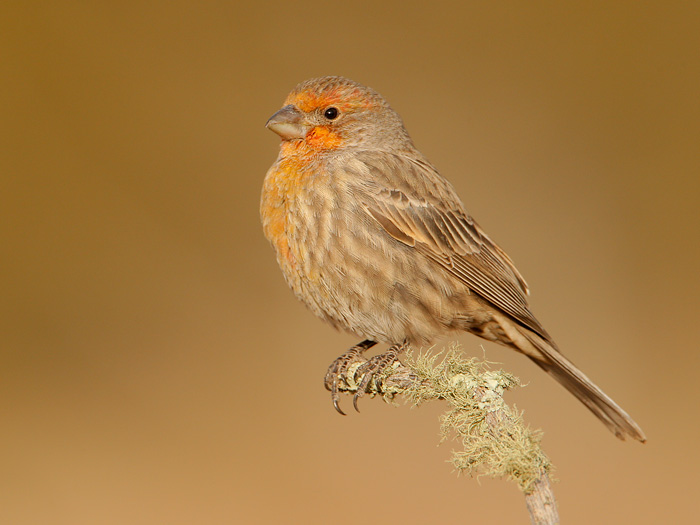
x=332, y=113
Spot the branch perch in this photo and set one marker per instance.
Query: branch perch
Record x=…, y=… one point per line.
x=495, y=441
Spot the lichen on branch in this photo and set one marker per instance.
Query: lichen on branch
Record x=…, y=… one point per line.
x=495, y=441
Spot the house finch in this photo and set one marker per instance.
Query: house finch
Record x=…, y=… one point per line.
x=375, y=241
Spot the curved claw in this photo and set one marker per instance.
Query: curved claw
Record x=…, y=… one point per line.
x=333, y=387
x=339, y=367
x=337, y=407
x=367, y=372
x=355, y=398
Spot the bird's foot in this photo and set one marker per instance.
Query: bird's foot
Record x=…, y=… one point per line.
x=373, y=370
x=339, y=368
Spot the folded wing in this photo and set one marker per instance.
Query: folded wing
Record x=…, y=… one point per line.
x=440, y=229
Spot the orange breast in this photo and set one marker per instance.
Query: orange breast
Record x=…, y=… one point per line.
x=281, y=188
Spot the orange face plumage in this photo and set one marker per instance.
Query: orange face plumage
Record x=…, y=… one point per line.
x=327, y=136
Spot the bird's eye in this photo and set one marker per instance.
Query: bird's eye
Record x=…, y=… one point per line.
x=331, y=113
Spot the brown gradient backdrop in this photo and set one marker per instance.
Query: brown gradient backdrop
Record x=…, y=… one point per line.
x=154, y=366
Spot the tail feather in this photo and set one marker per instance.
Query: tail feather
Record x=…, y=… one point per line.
x=548, y=357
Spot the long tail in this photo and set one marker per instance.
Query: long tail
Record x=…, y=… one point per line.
x=547, y=356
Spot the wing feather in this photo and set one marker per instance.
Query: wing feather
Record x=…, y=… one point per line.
x=419, y=208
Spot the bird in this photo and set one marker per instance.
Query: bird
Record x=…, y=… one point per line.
x=374, y=241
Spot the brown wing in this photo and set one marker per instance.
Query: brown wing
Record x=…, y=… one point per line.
x=437, y=225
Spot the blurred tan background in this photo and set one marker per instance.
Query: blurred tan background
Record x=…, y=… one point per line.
x=154, y=368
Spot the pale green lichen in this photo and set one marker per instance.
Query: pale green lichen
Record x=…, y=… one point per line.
x=495, y=440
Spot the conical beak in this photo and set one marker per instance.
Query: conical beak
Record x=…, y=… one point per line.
x=288, y=123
